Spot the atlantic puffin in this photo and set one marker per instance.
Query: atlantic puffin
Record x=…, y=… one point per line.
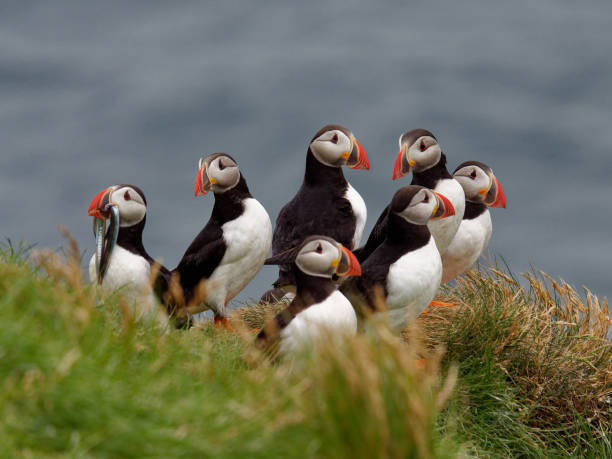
x=120, y=259
x=421, y=153
x=230, y=249
x=318, y=305
x=482, y=190
x=326, y=203
x=401, y=276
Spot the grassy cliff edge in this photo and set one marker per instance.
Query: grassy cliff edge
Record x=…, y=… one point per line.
x=510, y=371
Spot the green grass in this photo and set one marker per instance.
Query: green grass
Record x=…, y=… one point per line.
x=505, y=375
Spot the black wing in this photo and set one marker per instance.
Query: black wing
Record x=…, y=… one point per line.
x=201, y=258
x=377, y=236
x=313, y=210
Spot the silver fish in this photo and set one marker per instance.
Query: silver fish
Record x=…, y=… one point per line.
x=105, y=244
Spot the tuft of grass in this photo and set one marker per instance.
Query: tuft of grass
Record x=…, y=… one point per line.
x=535, y=364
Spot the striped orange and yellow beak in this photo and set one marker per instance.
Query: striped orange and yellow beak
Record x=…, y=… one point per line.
x=98, y=206
x=444, y=207
x=348, y=265
x=358, y=158
x=495, y=196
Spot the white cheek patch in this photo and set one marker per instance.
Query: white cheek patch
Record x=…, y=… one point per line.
x=131, y=211
x=420, y=213
x=317, y=263
x=329, y=153
x=425, y=159
x=472, y=186
x=314, y=264
x=226, y=179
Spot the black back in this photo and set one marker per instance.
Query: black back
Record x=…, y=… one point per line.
x=206, y=251
x=401, y=237
x=377, y=236
x=428, y=179
x=319, y=207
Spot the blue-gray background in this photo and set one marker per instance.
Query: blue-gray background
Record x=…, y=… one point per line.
x=112, y=92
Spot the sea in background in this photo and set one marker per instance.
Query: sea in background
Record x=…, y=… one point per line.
x=94, y=94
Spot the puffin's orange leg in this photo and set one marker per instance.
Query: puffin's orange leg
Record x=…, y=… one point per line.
x=223, y=322
x=439, y=304
x=442, y=303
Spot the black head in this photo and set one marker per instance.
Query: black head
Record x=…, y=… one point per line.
x=418, y=205
x=319, y=256
x=335, y=146
x=218, y=172
x=419, y=150
x=480, y=184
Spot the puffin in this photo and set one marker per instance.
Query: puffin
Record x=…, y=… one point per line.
x=402, y=275
x=230, y=249
x=120, y=259
x=482, y=190
x=326, y=203
x=318, y=306
x=421, y=153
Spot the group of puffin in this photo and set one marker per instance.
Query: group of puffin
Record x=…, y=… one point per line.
x=432, y=231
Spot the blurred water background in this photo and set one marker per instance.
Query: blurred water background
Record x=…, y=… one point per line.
x=93, y=94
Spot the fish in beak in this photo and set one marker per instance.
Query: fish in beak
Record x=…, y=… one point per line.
x=101, y=209
x=494, y=196
x=402, y=163
x=358, y=158
x=444, y=208
x=348, y=265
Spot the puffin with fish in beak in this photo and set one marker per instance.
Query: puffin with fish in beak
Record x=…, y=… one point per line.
x=120, y=259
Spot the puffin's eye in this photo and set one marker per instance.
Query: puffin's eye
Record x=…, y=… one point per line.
x=422, y=147
x=319, y=249
x=221, y=165
x=334, y=139
x=426, y=199
x=126, y=196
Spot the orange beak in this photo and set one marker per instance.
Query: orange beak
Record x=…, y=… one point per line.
x=349, y=265
x=97, y=206
x=202, y=183
x=401, y=167
x=359, y=157
x=445, y=207
x=498, y=196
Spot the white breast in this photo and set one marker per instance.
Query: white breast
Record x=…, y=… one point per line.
x=360, y=211
x=334, y=316
x=471, y=239
x=412, y=283
x=444, y=229
x=248, y=239
x=128, y=272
